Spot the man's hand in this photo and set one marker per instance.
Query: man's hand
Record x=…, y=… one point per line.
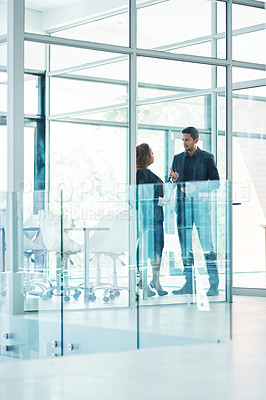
x=173, y=175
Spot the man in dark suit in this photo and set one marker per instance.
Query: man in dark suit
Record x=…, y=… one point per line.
x=193, y=206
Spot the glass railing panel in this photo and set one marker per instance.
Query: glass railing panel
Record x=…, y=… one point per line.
x=183, y=263
x=30, y=294
x=97, y=315
x=77, y=277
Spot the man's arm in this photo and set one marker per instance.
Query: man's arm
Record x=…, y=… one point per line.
x=213, y=174
x=212, y=171
x=173, y=176
x=209, y=181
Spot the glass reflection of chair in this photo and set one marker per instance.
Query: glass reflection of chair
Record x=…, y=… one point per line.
x=50, y=226
x=36, y=275
x=112, y=243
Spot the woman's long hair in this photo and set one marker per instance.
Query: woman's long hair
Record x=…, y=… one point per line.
x=143, y=153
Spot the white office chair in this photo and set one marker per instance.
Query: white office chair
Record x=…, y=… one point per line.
x=35, y=253
x=50, y=226
x=36, y=274
x=112, y=243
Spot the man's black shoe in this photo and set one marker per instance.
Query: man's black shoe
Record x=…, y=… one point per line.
x=186, y=289
x=213, y=291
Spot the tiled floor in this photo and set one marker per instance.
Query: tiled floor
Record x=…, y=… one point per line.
x=233, y=370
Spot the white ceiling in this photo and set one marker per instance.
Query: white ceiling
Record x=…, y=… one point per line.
x=44, y=5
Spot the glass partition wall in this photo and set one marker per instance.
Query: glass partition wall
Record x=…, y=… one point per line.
x=98, y=82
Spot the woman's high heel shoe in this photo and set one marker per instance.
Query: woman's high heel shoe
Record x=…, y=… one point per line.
x=150, y=293
x=160, y=292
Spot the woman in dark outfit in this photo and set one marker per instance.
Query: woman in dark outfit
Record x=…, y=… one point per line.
x=144, y=158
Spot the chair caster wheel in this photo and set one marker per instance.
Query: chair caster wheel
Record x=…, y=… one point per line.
x=106, y=299
x=111, y=296
x=117, y=293
x=3, y=293
x=76, y=294
x=66, y=298
x=49, y=295
x=92, y=297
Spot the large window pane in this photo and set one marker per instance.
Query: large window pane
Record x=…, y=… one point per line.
x=94, y=21
x=79, y=97
x=94, y=85
x=170, y=93
x=34, y=56
x=89, y=63
x=249, y=34
x=86, y=164
x=190, y=27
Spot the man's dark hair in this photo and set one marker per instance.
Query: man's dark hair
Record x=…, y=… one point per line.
x=193, y=132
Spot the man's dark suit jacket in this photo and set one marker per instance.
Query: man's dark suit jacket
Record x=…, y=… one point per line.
x=205, y=167
x=205, y=170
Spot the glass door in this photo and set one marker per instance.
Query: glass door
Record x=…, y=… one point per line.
x=249, y=215
x=249, y=146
